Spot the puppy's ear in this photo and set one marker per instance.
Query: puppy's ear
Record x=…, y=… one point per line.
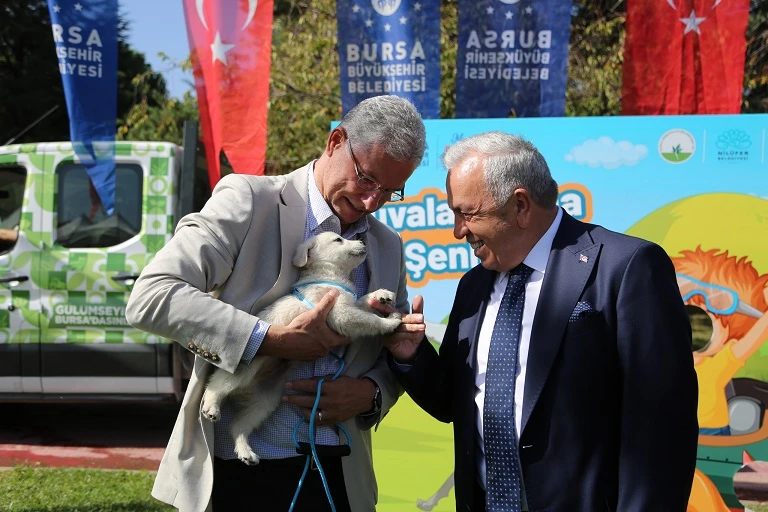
x=302, y=253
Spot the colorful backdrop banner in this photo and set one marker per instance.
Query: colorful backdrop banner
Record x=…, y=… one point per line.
x=684, y=56
x=230, y=43
x=390, y=47
x=512, y=58
x=85, y=35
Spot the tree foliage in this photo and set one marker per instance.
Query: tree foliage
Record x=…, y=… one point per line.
x=304, y=96
x=595, y=58
x=449, y=46
x=30, y=83
x=305, y=76
x=153, y=114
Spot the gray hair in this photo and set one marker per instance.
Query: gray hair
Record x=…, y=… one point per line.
x=389, y=121
x=511, y=162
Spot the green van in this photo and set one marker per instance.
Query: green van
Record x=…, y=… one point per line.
x=67, y=268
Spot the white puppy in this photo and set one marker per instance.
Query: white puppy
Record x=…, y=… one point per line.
x=324, y=261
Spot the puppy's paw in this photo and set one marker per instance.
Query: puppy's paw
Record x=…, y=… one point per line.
x=249, y=458
x=211, y=412
x=384, y=296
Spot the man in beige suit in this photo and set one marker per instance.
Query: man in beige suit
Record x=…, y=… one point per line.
x=232, y=259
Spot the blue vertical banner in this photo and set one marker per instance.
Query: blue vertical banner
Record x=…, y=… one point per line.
x=85, y=34
x=390, y=47
x=512, y=58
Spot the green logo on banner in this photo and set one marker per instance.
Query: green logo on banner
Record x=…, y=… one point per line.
x=677, y=146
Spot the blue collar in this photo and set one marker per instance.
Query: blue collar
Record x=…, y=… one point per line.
x=306, y=301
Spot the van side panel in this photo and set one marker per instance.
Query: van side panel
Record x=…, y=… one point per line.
x=84, y=263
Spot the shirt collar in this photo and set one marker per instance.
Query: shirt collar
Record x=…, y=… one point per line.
x=321, y=218
x=539, y=256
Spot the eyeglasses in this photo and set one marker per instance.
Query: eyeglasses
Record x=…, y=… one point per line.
x=718, y=299
x=371, y=185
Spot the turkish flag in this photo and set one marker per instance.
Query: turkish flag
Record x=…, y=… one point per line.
x=230, y=43
x=684, y=56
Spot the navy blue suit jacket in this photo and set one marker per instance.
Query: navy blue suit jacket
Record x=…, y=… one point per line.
x=609, y=412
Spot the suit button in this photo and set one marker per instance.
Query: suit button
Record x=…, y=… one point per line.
x=199, y=351
x=207, y=355
x=191, y=346
x=215, y=357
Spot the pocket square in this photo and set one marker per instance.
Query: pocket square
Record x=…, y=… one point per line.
x=582, y=309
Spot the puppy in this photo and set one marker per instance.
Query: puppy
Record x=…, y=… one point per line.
x=324, y=261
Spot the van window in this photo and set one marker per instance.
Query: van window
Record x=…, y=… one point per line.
x=82, y=220
x=12, y=180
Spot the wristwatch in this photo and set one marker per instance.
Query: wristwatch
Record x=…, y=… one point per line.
x=376, y=400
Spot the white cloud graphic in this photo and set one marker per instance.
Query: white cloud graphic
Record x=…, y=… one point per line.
x=605, y=152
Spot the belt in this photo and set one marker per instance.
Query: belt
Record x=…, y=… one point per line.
x=299, y=461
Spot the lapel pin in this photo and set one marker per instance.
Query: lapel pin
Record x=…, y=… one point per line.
x=583, y=258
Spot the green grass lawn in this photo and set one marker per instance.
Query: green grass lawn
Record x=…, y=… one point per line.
x=26, y=489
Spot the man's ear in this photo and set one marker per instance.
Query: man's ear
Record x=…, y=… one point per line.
x=523, y=207
x=336, y=140
x=302, y=253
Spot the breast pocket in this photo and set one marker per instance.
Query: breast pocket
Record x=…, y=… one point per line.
x=585, y=324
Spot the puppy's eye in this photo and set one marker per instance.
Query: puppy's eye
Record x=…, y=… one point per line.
x=338, y=239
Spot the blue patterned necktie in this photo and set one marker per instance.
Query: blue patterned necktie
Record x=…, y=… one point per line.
x=503, y=480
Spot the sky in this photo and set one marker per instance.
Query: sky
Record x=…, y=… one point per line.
x=159, y=26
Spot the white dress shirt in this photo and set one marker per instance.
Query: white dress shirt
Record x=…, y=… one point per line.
x=537, y=260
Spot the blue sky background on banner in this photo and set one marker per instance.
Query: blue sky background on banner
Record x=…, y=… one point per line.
x=512, y=56
x=390, y=47
x=628, y=164
x=85, y=33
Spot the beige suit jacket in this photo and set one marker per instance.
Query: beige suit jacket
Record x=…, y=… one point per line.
x=222, y=265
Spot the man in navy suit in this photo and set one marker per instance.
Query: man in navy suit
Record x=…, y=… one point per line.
x=602, y=393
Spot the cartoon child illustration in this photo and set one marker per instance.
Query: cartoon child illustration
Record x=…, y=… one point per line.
x=735, y=298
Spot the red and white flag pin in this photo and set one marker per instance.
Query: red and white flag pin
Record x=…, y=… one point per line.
x=583, y=258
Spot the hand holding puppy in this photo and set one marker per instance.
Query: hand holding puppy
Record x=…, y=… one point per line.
x=308, y=336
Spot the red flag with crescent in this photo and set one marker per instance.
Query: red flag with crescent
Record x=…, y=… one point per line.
x=230, y=43
x=684, y=56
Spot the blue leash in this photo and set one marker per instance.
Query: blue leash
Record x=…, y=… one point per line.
x=312, y=445
x=313, y=415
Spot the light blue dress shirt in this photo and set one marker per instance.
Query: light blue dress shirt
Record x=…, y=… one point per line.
x=274, y=438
